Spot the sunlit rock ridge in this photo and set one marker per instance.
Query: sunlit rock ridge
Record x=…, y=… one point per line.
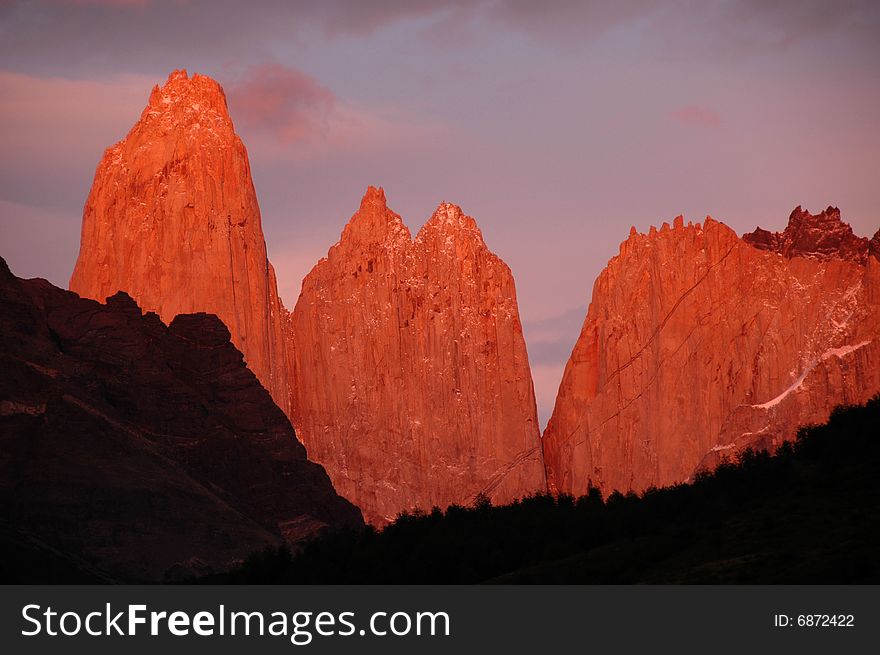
x=172, y=219
x=412, y=382
x=698, y=344
x=403, y=370
x=403, y=366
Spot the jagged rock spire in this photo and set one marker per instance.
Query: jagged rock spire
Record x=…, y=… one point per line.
x=172, y=219
x=413, y=385
x=820, y=236
x=698, y=345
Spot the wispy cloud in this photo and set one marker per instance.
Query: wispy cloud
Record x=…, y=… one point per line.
x=154, y=35
x=284, y=113
x=697, y=116
x=283, y=101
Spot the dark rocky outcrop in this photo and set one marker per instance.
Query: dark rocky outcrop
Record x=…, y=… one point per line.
x=819, y=236
x=144, y=451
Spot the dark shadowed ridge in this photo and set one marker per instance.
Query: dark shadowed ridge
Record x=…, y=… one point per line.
x=132, y=450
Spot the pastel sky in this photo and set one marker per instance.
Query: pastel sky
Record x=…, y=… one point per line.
x=557, y=125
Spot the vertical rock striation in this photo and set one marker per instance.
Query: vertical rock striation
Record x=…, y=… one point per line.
x=412, y=384
x=698, y=344
x=172, y=219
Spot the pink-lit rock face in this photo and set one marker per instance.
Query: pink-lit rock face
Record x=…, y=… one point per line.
x=698, y=344
x=412, y=384
x=172, y=219
x=412, y=381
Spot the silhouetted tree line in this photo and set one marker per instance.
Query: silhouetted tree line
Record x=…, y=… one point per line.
x=808, y=513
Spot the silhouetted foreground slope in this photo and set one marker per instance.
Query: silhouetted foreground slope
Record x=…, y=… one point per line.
x=131, y=450
x=810, y=513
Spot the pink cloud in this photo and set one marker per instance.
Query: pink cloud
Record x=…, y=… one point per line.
x=283, y=101
x=697, y=116
x=283, y=113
